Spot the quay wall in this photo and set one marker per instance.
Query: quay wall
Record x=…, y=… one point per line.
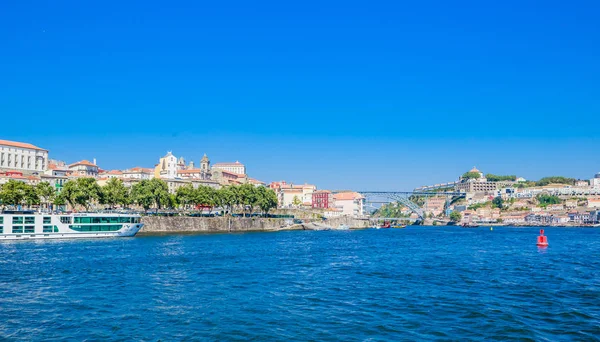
x=183, y=224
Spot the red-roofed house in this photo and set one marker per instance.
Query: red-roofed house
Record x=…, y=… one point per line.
x=83, y=169
x=138, y=173
x=351, y=203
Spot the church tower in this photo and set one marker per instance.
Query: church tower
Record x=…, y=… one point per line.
x=205, y=163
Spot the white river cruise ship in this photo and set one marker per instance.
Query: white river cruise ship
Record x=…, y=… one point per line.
x=22, y=225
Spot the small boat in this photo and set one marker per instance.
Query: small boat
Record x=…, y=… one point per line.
x=470, y=225
x=386, y=225
x=399, y=226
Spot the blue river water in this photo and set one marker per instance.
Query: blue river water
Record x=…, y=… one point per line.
x=418, y=283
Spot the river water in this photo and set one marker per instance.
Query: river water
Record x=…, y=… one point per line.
x=418, y=283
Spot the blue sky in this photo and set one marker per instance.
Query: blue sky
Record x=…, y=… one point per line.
x=365, y=95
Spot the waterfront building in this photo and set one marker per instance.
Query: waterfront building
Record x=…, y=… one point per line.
x=351, y=203
x=477, y=184
x=435, y=205
x=236, y=167
x=322, y=199
x=333, y=212
x=593, y=202
x=515, y=218
x=579, y=217
x=166, y=167
x=595, y=182
x=140, y=173
x=23, y=157
x=83, y=168
x=293, y=195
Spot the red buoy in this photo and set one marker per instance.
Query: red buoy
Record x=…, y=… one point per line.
x=542, y=240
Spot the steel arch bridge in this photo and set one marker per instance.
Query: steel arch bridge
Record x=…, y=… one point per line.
x=385, y=197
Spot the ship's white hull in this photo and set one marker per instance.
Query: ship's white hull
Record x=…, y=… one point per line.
x=29, y=226
x=126, y=231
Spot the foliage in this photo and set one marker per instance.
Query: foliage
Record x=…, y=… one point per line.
x=296, y=201
x=479, y=205
x=544, y=199
x=13, y=193
x=115, y=192
x=455, y=216
x=141, y=194
x=497, y=202
x=555, y=180
x=82, y=191
x=391, y=210
x=471, y=175
x=496, y=178
x=45, y=192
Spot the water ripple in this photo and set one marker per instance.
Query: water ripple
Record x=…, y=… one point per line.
x=374, y=285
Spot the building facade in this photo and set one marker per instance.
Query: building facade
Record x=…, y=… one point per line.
x=167, y=167
x=322, y=199
x=236, y=167
x=351, y=203
x=83, y=168
x=22, y=157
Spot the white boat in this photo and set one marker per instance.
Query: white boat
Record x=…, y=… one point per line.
x=344, y=227
x=23, y=225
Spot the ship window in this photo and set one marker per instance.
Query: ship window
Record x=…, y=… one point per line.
x=47, y=229
x=65, y=219
x=1, y=220
x=29, y=219
x=29, y=229
x=96, y=228
x=1, y=229
x=17, y=219
x=55, y=229
x=47, y=219
x=17, y=229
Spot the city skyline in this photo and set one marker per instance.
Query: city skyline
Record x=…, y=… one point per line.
x=392, y=96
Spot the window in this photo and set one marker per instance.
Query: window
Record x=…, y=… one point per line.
x=50, y=229
x=96, y=228
x=17, y=229
x=29, y=229
x=29, y=219
x=17, y=220
x=1, y=229
x=1, y=220
x=65, y=219
x=47, y=220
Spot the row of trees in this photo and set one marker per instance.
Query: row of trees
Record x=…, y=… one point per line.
x=154, y=193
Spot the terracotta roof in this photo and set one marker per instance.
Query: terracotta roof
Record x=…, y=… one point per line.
x=20, y=144
x=344, y=196
x=115, y=172
x=83, y=162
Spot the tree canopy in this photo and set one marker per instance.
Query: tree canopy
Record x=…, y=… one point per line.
x=497, y=178
x=471, y=175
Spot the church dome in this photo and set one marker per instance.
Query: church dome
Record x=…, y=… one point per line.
x=474, y=169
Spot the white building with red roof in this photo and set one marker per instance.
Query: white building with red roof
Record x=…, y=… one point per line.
x=351, y=203
x=22, y=157
x=83, y=168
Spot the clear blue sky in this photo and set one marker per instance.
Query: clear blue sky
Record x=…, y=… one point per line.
x=342, y=94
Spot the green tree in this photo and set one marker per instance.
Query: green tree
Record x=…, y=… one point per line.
x=555, y=180
x=115, y=192
x=31, y=197
x=46, y=193
x=545, y=199
x=267, y=199
x=471, y=175
x=142, y=195
x=497, y=202
x=160, y=192
x=226, y=198
x=496, y=178
x=248, y=197
x=12, y=193
x=296, y=201
x=186, y=195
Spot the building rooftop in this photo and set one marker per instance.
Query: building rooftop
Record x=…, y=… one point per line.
x=237, y=163
x=83, y=162
x=344, y=196
x=20, y=145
